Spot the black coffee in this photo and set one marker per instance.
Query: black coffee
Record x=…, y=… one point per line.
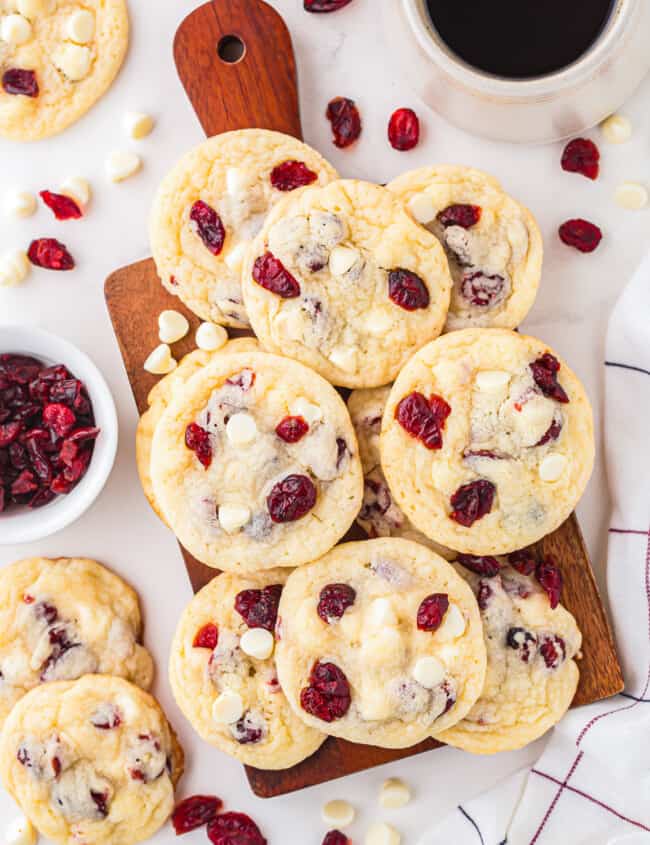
x=519, y=38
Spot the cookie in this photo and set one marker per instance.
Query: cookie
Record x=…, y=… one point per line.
x=255, y=464
x=380, y=516
x=338, y=270
x=380, y=642
x=487, y=440
x=531, y=645
x=223, y=674
x=57, y=58
x=493, y=243
x=92, y=761
x=60, y=619
x=213, y=203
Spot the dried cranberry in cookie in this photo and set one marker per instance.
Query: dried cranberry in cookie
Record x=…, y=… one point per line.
x=492, y=242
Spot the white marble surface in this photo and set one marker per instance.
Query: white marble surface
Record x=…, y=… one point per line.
x=340, y=54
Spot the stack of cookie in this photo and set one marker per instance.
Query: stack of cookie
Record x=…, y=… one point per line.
x=443, y=623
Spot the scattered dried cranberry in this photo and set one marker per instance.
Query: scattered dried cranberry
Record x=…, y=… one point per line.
x=206, y=637
x=194, y=812
x=198, y=440
x=472, y=501
x=481, y=289
x=550, y=578
x=234, y=829
x=344, y=116
x=545, y=370
x=404, y=130
x=292, y=429
x=407, y=290
x=553, y=650
x=259, y=608
x=64, y=207
x=523, y=561
x=335, y=837
x=20, y=81
x=208, y=226
x=100, y=800
x=522, y=641
x=488, y=567
x=243, y=380
x=107, y=719
x=484, y=595
x=431, y=611
x=291, y=498
x=50, y=254
x=423, y=418
x=334, y=600
x=581, y=234
x=325, y=5
x=291, y=175
x=245, y=731
x=460, y=215
x=551, y=433
x=328, y=695
x=271, y=274
x=581, y=156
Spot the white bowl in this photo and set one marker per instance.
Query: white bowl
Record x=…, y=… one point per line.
x=20, y=524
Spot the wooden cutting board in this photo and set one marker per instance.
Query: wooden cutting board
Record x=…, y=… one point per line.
x=259, y=89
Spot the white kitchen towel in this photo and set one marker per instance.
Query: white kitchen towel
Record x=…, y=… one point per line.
x=591, y=786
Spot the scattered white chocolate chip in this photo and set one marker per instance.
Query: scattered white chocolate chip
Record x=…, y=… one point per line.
x=33, y=8
x=307, y=410
x=291, y=323
x=344, y=357
x=422, y=208
x=233, y=517
x=428, y=672
x=138, y=125
x=381, y=833
x=14, y=268
x=632, y=196
x=80, y=26
x=15, y=29
x=20, y=831
x=234, y=258
x=338, y=813
x=74, y=61
x=241, y=429
x=342, y=259
x=258, y=643
x=616, y=129
x=394, y=794
x=237, y=180
x=378, y=322
x=160, y=361
x=78, y=188
x=120, y=165
x=172, y=326
x=228, y=708
x=453, y=624
x=491, y=379
x=210, y=337
x=19, y=204
x=381, y=613
x=552, y=467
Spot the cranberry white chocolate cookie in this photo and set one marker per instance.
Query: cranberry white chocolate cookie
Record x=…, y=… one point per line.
x=487, y=440
x=255, y=464
x=91, y=761
x=335, y=272
x=493, y=243
x=531, y=643
x=223, y=675
x=213, y=203
x=380, y=642
x=60, y=619
x=57, y=58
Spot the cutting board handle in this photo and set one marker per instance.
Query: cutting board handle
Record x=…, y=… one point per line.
x=235, y=60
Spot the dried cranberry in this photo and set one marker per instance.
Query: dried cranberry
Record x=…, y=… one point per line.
x=522, y=641
x=291, y=175
x=259, y=608
x=431, y=611
x=335, y=837
x=245, y=731
x=407, y=290
x=404, y=130
x=484, y=595
x=465, y=216
x=325, y=5
x=328, y=695
x=523, y=561
x=581, y=156
x=107, y=719
x=553, y=650
x=64, y=207
x=581, y=234
x=234, y=829
x=551, y=433
x=194, y=812
x=50, y=254
x=545, y=370
x=59, y=418
x=271, y=274
x=100, y=799
x=20, y=81
x=243, y=380
x=481, y=289
x=334, y=600
x=342, y=450
x=344, y=116
x=291, y=498
x=550, y=578
x=208, y=226
x=487, y=567
x=206, y=637
x=198, y=440
x=423, y=418
x=24, y=484
x=472, y=501
x=9, y=432
x=292, y=429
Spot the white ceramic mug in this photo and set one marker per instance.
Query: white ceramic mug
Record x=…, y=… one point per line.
x=532, y=110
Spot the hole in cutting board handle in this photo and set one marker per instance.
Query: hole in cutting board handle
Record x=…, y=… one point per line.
x=231, y=49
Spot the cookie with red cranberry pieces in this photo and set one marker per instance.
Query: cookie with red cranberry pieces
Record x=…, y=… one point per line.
x=93, y=760
x=337, y=271
x=487, y=440
x=213, y=203
x=255, y=463
x=223, y=675
x=380, y=642
x=493, y=243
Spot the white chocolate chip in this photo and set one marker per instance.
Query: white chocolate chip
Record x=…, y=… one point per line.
x=307, y=410
x=234, y=258
x=241, y=429
x=78, y=188
x=381, y=613
x=120, y=165
x=80, y=26
x=160, y=361
x=422, y=208
x=228, y=708
x=378, y=322
x=32, y=8
x=344, y=357
x=15, y=29
x=338, y=813
x=19, y=204
x=233, y=517
x=552, y=467
x=453, y=624
x=238, y=180
x=381, y=833
x=138, y=124
x=258, y=643
x=74, y=61
x=394, y=794
x=14, y=268
x=20, y=831
x=616, y=129
x=210, y=337
x=172, y=326
x=491, y=380
x=291, y=323
x=428, y=672
x=632, y=196
x=342, y=259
